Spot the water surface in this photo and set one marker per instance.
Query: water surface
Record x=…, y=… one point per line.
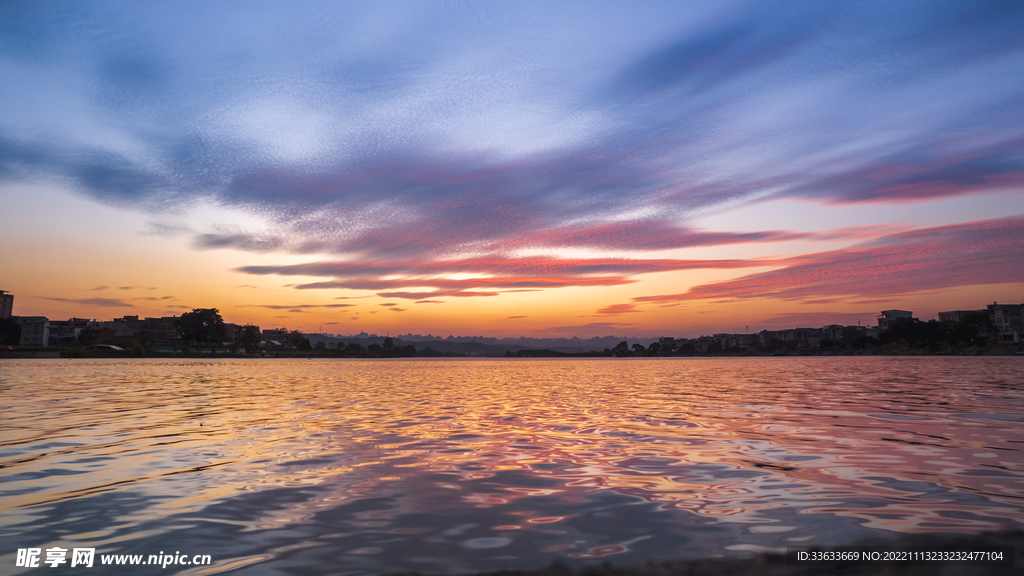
x=362, y=467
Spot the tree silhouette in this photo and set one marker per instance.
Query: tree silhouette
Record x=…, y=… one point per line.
x=201, y=325
x=10, y=331
x=250, y=338
x=974, y=329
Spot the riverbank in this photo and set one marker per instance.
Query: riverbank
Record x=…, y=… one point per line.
x=992, y=350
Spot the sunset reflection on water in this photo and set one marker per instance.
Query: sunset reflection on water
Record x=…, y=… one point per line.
x=442, y=465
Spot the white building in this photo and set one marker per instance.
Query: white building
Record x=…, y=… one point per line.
x=888, y=316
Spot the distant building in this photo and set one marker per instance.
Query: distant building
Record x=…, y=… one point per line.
x=765, y=337
x=833, y=332
x=233, y=331
x=95, y=334
x=35, y=330
x=126, y=326
x=159, y=328
x=64, y=331
x=1007, y=320
x=888, y=316
x=278, y=334
x=6, y=304
x=957, y=316
x=747, y=340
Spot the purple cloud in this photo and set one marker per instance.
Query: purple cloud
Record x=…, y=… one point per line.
x=617, y=309
x=987, y=252
x=404, y=159
x=496, y=273
x=428, y=146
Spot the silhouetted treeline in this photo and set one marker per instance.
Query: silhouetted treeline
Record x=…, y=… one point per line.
x=972, y=335
x=10, y=331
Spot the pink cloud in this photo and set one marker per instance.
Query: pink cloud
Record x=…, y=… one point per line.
x=497, y=273
x=295, y=306
x=616, y=309
x=888, y=263
x=661, y=234
x=987, y=252
x=437, y=293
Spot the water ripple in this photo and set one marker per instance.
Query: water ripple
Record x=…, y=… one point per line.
x=370, y=466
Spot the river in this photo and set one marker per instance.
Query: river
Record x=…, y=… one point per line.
x=364, y=466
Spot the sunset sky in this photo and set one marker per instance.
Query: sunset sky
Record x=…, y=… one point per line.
x=517, y=168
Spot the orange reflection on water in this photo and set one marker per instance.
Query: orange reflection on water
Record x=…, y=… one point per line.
x=586, y=451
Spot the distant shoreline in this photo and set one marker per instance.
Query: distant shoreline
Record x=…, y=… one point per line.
x=996, y=351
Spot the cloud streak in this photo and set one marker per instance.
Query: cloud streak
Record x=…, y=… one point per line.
x=987, y=252
x=493, y=274
x=295, y=306
x=617, y=309
x=100, y=302
x=900, y=263
x=443, y=144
